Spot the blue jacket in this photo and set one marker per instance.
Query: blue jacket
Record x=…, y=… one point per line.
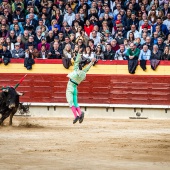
x=164, y=29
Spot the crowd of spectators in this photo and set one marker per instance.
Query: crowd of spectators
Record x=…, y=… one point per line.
x=105, y=29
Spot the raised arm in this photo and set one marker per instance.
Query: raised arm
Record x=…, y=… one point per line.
x=89, y=65
x=77, y=61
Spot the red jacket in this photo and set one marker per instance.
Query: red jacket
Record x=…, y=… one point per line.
x=88, y=29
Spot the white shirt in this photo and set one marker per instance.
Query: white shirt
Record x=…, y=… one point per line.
x=145, y=55
x=69, y=18
x=136, y=34
x=167, y=23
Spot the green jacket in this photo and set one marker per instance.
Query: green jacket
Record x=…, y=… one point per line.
x=135, y=53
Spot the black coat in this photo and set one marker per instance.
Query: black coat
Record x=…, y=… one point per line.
x=54, y=55
x=6, y=54
x=109, y=55
x=157, y=56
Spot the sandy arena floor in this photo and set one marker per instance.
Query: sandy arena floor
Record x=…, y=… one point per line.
x=97, y=144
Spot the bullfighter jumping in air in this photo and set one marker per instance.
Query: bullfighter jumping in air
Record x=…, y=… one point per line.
x=75, y=78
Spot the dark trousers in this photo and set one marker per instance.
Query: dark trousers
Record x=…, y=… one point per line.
x=132, y=65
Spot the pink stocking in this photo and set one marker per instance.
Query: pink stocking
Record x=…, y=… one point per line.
x=73, y=108
x=78, y=110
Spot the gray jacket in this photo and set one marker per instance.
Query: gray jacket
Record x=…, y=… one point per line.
x=18, y=54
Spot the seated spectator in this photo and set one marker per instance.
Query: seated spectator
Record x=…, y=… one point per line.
x=155, y=53
x=15, y=22
x=133, y=55
x=99, y=52
x=167, y=41
x=43, y=42
x=88, y=27
x=95, y=38
x=149, y=43
x=133, y=52
x=160, y=33
x=25, y=37
x=67, y=56
x=163, y=27
x=67, y=41
x=167, y=21
x=145, y=25
x=88, y=54
x=67, y=30
x=50, y=37
x=20, y=42
x=4, y=22
x=10, y=45
x=134, y=31
x=166, y=53
x=131, y=37
x=119, y=37
x=58, y=17
x=38, y=36
x=114, y=45
x=12, y=36
x=143, y=39
x=145, y=53
x=17, y=30
x=154, y=39
x=69, y=16
x=18, y=52
x=2, y=41
x=91, y=45
x=132, y=21
x=20, y=15
x=3, y=32
x=41, y=24
x=55, y=52
x=109, y=53
x=5, y=54
x=31, y=51
x=121, y=53
x=43, y=53
x=161, y=44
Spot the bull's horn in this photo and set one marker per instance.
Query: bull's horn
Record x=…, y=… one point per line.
x=19, y=93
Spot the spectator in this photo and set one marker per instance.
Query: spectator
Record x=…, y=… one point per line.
x=95, y=38
x=69, y=16
x=88, y=27
x=12, y=36
x=43, y=42
x=19, y=40
x=88, y=54
x=25, y=37
x=10, y=45
x=134, y=31
x=3, y=32
x=161, y=44
x=109, y=53
x=167, y=21
x=163, y=27
x=167, y=41
x=121, y=53
x=99, y=52
x=166, y=53
x=55, y=52
x=133, y=55
x=67, y=56
x=5, y=54
x=145, y=53
x=18, y=52
x=156, y=54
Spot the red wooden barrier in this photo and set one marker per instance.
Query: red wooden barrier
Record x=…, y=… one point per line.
x=101, y=89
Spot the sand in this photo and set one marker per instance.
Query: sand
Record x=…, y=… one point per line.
x=97, y=144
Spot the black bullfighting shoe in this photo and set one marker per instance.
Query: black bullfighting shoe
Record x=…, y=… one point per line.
x=81, y=117
x=76, y=119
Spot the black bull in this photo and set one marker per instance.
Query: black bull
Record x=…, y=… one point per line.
x=9, y=103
